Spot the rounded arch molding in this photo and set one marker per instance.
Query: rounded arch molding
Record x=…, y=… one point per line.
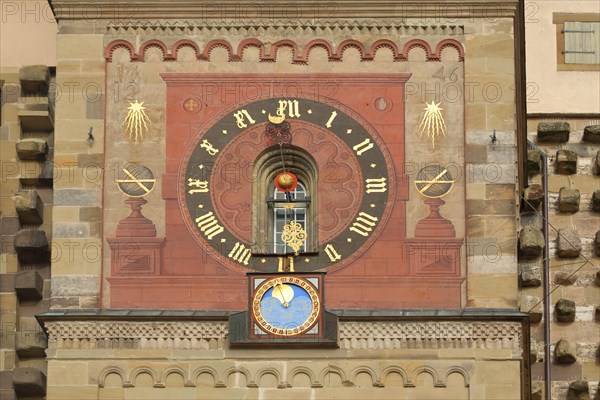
x=300, y=53
x=317, y=374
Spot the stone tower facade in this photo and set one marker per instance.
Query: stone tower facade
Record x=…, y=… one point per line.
x=404, y=130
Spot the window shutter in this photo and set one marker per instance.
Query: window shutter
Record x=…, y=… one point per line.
x=582, y=42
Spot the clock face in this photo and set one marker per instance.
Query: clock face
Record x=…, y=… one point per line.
x=355, y=189
x=286, y=306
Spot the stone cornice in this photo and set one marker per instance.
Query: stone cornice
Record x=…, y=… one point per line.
x=190, y=335
x=278, y=10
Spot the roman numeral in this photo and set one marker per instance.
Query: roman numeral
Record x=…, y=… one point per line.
x=331, y=118
x=240, y=119
x=377, y=185
x=209, y=147
x=240, y=253
x=363, y=146
x=332, y=253
x=202, y=186
x=292, y=107
x=364, y=224
x=209, y=225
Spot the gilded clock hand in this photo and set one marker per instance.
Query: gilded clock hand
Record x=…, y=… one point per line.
x=283, y=293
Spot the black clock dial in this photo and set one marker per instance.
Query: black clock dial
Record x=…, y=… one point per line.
x=376, y=169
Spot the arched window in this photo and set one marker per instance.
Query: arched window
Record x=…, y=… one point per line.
x=272, y=209
x=288, y=207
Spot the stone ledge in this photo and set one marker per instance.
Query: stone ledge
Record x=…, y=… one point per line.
x=34, y=79
x=35, y=120
x=29, y=285
x=32, y=149
x=29, y=206
x=29, y=382
x=31, y=246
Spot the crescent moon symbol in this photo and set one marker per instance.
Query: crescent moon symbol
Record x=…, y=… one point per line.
x=276, y=119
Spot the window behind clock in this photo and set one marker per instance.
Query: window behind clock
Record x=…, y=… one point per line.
x=290, y=206
x=272, y=209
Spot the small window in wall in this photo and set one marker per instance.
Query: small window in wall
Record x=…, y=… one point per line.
x=582, y=42
x=578, y=40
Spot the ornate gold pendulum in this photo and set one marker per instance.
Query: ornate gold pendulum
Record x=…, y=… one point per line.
x=293, y=235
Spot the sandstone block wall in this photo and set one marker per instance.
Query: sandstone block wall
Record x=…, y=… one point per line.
x=573, y=178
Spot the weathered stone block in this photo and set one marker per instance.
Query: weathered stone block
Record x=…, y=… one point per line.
x=568, y=200
x=31, y=341
x=568, y=243
x=6, y=386
x=30, y=208
x=566, y=162
x=565, y=278
x=534, y=195
x=32, y=149
x=596, y=200
x=534, y=159
x=530, y=275
x=565, y=352
x=531, y=242
x=553, y=132
x=565, y=310
x=35, y=79
x=44, y=176
x=597, y=313
x=578, y=390
x=596, y=166
x=31, y=245
x=532, y=218
x=29, y=285
x=29, y=382
x=532, y=305
x=537, y=390
x=591, y=134
x=597, y=251
x=34, y=120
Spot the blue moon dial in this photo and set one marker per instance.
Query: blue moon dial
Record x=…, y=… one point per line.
x=286, y=306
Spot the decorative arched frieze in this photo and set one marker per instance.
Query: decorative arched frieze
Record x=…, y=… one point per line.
x=375, y=381
x=119, y=44
x=212, y=372
x=167, y=56
x=178, y=371
x=302, y=370
x=239, y=370
x=333, y=369
x=397, y=370
x=425, y=369
x=185, y=43
x=456, y=370
x=300, y=54
x=270, y=371
x=112, y=370
x=133, y=375
x=211, y=45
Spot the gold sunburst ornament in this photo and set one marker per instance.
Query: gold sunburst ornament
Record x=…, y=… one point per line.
x=293, y=235
x=136, y=121
x=433, y=125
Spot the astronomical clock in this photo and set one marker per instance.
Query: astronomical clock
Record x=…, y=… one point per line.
x=286, y=196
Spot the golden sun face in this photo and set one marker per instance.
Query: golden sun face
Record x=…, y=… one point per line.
x=433, y=125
